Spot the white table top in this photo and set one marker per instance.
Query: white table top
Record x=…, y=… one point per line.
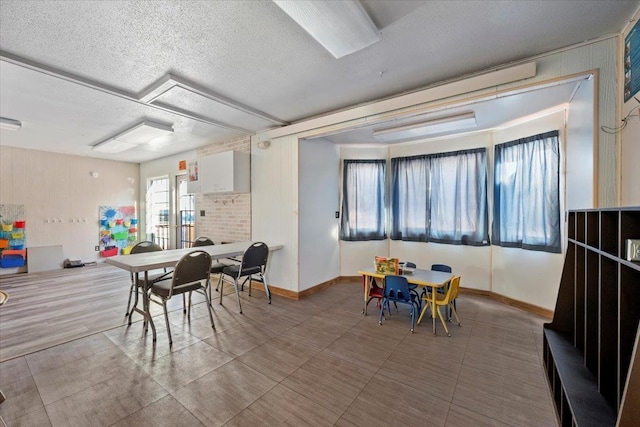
x=418, y=277
x=136, y=263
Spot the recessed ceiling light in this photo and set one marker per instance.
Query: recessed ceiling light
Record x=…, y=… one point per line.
x=141, y=133
x=342, y=27
x=10, y=124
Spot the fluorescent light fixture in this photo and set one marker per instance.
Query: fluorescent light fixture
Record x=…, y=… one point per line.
x=418, y=130
x=141, y=133
x=10, y=124
x=342, y=27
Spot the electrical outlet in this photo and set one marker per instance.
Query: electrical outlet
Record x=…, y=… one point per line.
x=202, y=213
x=337, y=214
x=96, y=248
x=633, y=250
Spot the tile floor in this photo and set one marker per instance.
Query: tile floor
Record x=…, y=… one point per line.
x=315, y=362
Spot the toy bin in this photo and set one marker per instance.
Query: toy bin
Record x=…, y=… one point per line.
x=111, y=224
x=4, y=243
x=13, y=258
x=126, y=250
x=122, y=235
x=17, y=244
x=119, y=221
x=20, y=224
x=109, y=252
x=127, y=223
x=133, y=230
x=10, y=261
x=7, y=227
x=17, y=235
x=134, y=221
x=104, y=223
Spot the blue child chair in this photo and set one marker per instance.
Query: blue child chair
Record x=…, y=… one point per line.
x=396, y=289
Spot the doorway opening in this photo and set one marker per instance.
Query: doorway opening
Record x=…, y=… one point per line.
x=185, y=214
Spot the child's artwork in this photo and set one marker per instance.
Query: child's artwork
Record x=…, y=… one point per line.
x=118, y=229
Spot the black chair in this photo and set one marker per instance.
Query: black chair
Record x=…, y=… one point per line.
x=254, y=263
x=139, y=248
x=217, y=267
x=191, y=273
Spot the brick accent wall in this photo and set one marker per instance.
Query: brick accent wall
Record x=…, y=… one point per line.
x=227, y=216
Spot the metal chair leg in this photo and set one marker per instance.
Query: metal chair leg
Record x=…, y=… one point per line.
x=208, y=301
x=266, y=287
x=235, y=284
x=184, y=304
x=166, y=320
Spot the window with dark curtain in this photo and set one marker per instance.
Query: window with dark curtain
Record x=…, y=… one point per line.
x=526, y=199
x=363, y=200
x=440, y=198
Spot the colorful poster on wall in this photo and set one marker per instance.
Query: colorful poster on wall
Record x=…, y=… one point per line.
x=632, y=62
x=182, y=165
x=193, y=171
x=118, y=229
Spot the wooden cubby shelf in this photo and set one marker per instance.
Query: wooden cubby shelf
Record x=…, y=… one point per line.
x=591, y=353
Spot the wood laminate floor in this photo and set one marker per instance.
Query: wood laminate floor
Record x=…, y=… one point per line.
x=315, y=362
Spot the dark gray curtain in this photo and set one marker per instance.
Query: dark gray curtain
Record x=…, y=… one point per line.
x=410, y=198
x=526, y=196
x=363, y=200
x=440, y=198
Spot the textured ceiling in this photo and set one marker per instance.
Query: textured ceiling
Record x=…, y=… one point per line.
x=252, y=53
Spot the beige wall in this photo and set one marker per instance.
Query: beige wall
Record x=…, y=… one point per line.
x=59, y=186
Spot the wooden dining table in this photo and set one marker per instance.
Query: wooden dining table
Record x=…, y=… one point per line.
x=148, y=261
x=425, y=278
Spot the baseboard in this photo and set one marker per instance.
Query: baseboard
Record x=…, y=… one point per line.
x=531, y=308
x=297, y=295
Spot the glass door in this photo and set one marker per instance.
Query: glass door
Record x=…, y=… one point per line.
x=158, y=211
x=185, y=214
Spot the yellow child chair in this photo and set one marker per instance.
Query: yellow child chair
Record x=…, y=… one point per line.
x=436, y=300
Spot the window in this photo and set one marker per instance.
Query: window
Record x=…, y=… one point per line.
x=526, y=205
x=158, y=211
x=363, y=201
x=440, y=198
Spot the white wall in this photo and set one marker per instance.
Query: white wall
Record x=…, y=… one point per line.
x=319, y=200
x=600, y=56
x=274, y=206
x=603, y=57
x=580, y=149
x=629, y=140
x=59, y=186
x=166, y=166
x=355, y=256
